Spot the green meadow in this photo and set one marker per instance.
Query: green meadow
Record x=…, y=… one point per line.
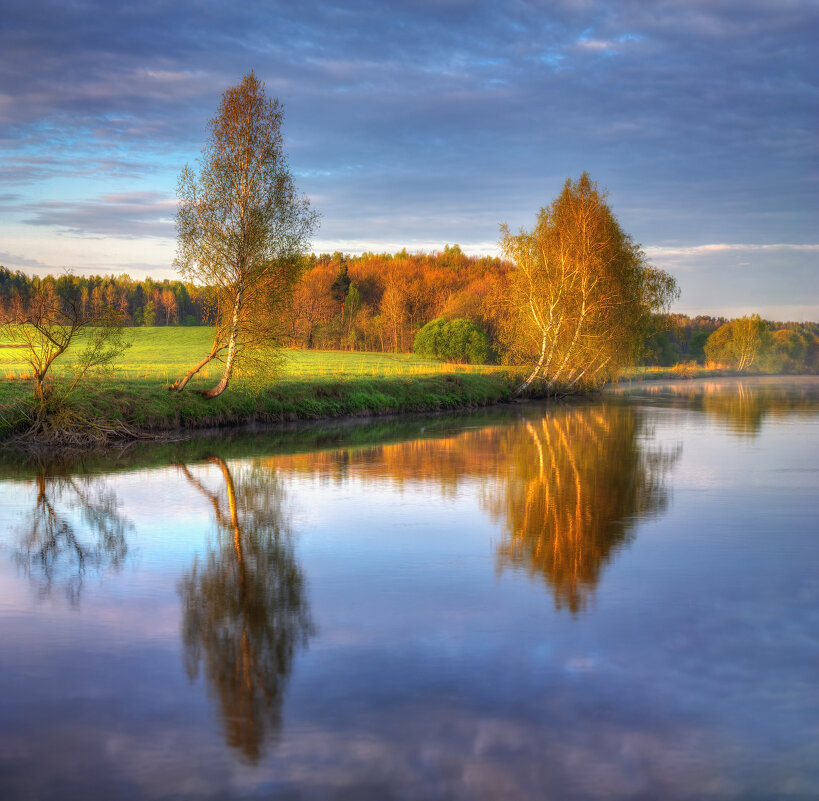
x=305, y=385
x=165, y=353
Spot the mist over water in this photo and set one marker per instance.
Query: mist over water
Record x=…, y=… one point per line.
x=595, y=600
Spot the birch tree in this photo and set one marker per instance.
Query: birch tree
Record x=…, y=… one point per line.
x=738, y=343
x=246, y=610
x=581, y=293
x=242, y=227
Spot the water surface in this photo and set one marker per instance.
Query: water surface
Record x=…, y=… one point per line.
x=617, y=599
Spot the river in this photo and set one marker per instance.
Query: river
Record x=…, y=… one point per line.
x=609, y=599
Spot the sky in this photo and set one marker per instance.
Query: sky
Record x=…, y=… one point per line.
x=420, y=124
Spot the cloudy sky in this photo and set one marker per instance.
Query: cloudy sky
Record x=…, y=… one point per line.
x=425, y=123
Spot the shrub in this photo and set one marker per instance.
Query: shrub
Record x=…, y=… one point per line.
x=453, y=341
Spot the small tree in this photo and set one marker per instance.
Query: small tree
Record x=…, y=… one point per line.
x=241, y=226
x=54, y=319
x=581, y=295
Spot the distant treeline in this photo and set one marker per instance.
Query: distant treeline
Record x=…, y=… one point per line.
x=379, y=302
x=368, y=302
x=776, y=346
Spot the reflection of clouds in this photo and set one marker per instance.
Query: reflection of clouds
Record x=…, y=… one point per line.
x=449, y=752
x=626, y=729
x=424, y=751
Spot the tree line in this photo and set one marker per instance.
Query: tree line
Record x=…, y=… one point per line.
x=139, y=303
x=742, y=343
x=339, y=303
x=375, y=301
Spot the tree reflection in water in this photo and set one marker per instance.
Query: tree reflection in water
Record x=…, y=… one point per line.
x=576, y=482
x=743, y=408
x=740, y=406
x=566, y=484
x=246, y=609
x=56, y=548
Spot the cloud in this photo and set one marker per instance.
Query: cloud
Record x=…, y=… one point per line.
x=22, y=169
x=122, y=215
x=359, y=246
x=780, y=281
x=14, y=260
x=694, y=250
x=418, y=123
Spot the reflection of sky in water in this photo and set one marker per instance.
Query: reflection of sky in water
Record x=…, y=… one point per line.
x=433, y=671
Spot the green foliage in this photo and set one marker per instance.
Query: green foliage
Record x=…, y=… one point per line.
x=427, y=340
x=242, y=228
x=791, y=350
x=452, y=340
x=696, y=345
x=658, y=350
x=738, y=343
x=352, y=301
x=748, y=343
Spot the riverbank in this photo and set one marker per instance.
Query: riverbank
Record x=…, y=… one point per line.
x=144, y=408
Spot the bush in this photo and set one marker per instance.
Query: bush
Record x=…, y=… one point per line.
x=453, y=341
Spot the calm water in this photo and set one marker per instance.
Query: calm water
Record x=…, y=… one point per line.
x=608, y=600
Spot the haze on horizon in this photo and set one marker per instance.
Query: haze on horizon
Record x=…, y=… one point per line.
x=418, y=125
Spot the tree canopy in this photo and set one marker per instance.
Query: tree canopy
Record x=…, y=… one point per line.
x=581, y=294
x=241, y=225
x=738, y=342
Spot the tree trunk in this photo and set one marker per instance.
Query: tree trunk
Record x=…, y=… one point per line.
x=180, y=384
x=231, y=354
x=533, y=375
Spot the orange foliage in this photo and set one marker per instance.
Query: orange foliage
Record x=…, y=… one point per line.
x=399, y=294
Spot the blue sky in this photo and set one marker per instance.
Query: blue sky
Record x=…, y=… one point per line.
x=420, y=124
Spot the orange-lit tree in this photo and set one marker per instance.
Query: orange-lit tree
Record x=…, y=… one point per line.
x=242, y=227
x=581, y=293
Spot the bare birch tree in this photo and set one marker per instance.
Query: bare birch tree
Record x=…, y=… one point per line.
x=581, y=292
x=54, y=320
x=241, y=226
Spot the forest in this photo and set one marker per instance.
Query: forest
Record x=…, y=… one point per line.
x=380, y=301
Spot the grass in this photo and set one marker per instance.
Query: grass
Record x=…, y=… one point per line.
x=310, y=385
x=164, y=354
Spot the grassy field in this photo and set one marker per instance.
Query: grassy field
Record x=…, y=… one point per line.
x=164, y=354
x=309, y=385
